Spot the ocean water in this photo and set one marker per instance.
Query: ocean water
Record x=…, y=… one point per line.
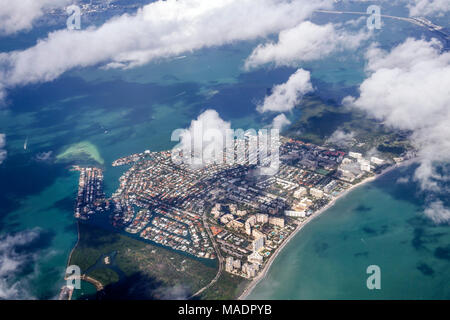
x=381, y=223
x=117, y=113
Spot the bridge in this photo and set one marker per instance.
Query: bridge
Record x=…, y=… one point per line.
x=419, y=21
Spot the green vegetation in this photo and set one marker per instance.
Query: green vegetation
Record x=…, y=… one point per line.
x=227, y=287
x=105, y=275
x=319, y=120
x=94, y=242
x=162, y=266
x=394, y=149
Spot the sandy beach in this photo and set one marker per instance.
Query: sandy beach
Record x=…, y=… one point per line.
x=266, y=268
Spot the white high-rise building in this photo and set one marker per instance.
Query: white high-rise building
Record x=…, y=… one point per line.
x=316, y=193
x=277, y=221
x=355, y=155
x=255, y=257
x=377, y=161
x=229, y=264
x=248, y=228
x=295, y=214
x=365, y=165
x=262, y=218
x=300, y=192
x=258, y=244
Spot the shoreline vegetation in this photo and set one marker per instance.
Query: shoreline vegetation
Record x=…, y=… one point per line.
x=76, y=244
x=132, y=261
x=98, y=285
x=251, y=286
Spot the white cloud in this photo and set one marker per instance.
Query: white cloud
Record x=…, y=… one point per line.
x=428, y=7
x=12, y=261
x=44, y=156
x=280, y=121
x=160, y=29
x=403, y=180
x=305, y=42
x=438, y=212
x=408, y=89
x=287, y=95
x=19, y=15
x=3, y=153
x=205, y=133
x=356, y=22
x=341, y=138
x=2, y=140
x=177, y=292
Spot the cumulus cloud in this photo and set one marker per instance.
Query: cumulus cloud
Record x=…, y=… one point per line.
x=3, y=152
x=177, y=292
x=286, y=96
x=428, y=7
x=280, y=121
x=356, y=22
x=403, y=180
x=305, y=42
x=341, y=138
x=438, y=212
x=19, y=15
x=13, y=259
x=205, y=136
x=2, y=140
x=158, y=30
x=408, y=89
x=44, y=156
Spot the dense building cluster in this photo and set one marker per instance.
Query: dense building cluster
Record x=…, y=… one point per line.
x=226, y=210
x=90, y=197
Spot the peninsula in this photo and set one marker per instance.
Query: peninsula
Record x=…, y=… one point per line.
x=228, y=214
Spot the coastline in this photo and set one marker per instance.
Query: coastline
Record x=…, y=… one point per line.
x=68, y=264
x=98, y=285
x=75, y=246
x=266, y=268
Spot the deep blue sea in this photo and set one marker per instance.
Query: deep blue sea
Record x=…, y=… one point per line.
x=123, y=112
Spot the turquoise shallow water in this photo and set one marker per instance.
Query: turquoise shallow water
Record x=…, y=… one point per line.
x=381, y=223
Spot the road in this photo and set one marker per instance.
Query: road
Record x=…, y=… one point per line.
x=219, y=257
x=419, y=21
